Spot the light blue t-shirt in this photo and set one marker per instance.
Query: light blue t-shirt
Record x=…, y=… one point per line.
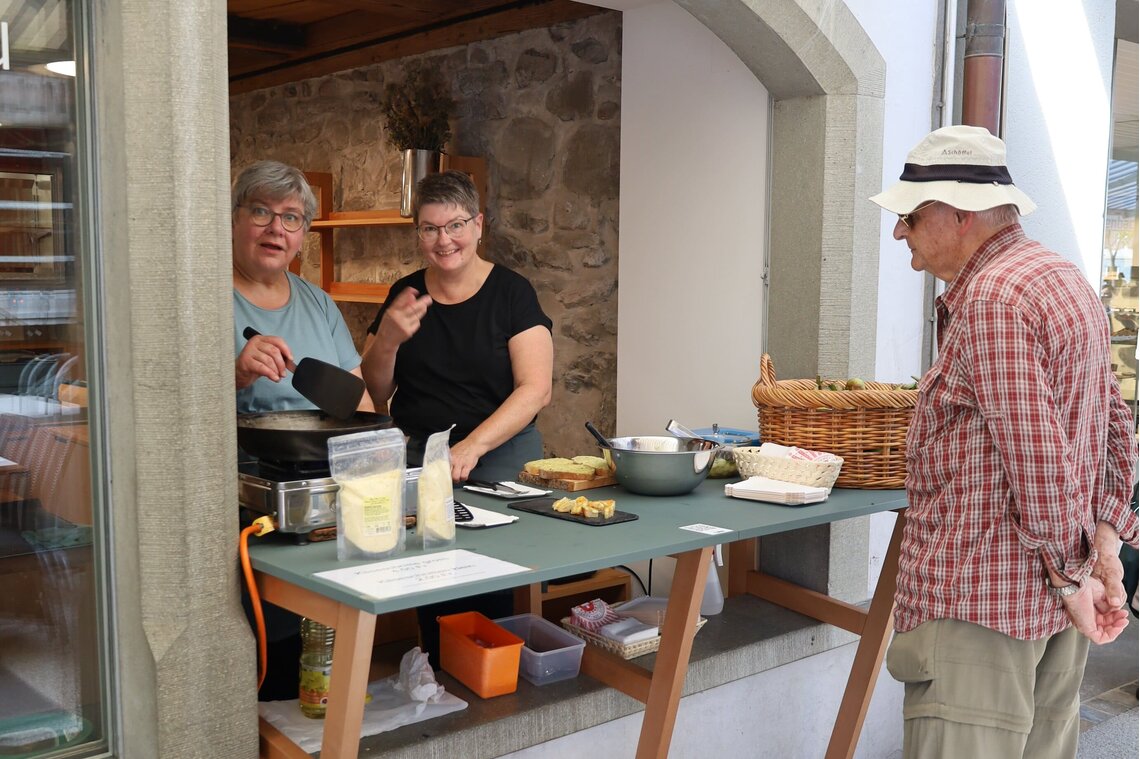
x=311, y=324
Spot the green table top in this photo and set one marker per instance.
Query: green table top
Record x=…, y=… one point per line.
x=554, y=548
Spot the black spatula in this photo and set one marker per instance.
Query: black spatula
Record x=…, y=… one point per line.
x=328, y=387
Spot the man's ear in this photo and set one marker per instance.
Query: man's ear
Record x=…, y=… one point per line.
x=964, y=220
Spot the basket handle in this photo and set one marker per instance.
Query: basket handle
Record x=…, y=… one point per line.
x=767, y=371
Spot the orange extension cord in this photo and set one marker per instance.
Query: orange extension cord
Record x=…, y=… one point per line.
x=261, y=526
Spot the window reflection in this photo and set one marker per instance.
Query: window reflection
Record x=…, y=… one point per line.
x=1120, y=270
x=50, y=680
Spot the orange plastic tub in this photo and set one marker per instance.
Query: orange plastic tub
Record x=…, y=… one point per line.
x=480, y=654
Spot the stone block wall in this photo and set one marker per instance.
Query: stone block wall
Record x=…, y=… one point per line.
x=543, y=108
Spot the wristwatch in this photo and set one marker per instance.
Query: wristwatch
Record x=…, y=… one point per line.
x=1064, y=590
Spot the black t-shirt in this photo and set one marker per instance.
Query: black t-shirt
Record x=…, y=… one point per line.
x=456, y=369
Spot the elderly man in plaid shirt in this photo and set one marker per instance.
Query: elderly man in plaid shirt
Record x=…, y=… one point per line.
x=1020, y=461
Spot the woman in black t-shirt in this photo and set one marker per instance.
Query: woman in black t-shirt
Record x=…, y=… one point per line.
x=462, y=342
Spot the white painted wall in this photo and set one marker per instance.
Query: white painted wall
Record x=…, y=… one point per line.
x=907, y=42
x=694, y=134
x=1058, y=120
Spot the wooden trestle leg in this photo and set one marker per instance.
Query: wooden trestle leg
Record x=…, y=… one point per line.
x=869, y=655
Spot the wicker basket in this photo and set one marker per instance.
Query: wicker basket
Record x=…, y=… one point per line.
x=631, y=651
x=750, y=462
x=866, y=428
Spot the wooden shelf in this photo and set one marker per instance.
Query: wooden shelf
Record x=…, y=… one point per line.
x=382, y=217
x=358, y=292
x=604, y=578
x=327, y=220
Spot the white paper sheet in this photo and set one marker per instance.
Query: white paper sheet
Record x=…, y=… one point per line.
x=707, y=529
x=415, y=574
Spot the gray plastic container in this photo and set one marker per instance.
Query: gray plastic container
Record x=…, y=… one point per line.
x=549, y=653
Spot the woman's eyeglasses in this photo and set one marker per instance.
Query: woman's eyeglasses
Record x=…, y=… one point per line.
x=908, y=219
x=453, y=229
x=263, y=217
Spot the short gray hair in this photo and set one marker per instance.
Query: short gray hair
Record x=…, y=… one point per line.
x=446, y=188
x=276, y=181
x=999, y=216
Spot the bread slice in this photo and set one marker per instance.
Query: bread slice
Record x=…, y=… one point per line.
x=567, y=471
x=600, y=466
x=536, y=467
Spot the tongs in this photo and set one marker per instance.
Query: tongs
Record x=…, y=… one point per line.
x=498, y=487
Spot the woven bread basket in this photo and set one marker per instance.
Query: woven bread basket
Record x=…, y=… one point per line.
x=866, y=428
x=750, y=462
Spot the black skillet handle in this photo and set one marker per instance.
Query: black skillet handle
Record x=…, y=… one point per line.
x=249, y=333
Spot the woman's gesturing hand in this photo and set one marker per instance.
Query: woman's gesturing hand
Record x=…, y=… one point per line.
x=262, y=356
x=402, y=318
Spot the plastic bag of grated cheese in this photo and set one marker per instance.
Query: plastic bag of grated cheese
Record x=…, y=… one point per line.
x=435, y=512
x=369, y=467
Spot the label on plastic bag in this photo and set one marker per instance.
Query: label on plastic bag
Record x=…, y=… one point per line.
x=367, y=506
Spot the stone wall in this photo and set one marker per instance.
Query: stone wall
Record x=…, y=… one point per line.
x=543, y=108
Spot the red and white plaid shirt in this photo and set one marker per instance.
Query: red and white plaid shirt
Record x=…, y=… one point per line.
x=1020, y=442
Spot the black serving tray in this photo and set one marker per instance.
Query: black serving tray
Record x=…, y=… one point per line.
x=544, y=507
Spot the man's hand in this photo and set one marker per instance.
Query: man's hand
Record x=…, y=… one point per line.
x=1093, y=615
x=1108, y=568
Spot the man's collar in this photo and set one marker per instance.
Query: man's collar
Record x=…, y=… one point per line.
x=986, y=252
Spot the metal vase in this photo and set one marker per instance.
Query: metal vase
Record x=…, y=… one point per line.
x=417, y=165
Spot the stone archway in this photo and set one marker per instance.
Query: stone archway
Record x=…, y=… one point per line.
x=826, y=79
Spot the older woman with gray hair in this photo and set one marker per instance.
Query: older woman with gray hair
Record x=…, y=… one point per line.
x=273, y=207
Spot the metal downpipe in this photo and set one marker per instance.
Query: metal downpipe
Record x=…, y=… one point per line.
x=983, y=64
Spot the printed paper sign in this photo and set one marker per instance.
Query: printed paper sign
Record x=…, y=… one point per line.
x=415, y=574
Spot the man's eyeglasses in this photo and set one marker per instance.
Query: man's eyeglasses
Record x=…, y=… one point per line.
x=454, y=229
x=908, y=219
x=263, y=217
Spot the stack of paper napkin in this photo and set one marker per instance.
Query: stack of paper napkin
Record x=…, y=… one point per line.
x=794, y=452
x=775, y=491
x=629, y=631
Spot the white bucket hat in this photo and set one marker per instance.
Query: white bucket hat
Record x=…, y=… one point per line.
x=962, y=166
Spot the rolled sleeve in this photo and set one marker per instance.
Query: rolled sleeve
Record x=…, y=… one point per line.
x=1120, y=469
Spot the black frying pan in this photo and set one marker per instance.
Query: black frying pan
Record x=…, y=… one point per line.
x=293, y=436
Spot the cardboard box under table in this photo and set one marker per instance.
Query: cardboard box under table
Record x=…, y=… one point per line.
x=287, y=575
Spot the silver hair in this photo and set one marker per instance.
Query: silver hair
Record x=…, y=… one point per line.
x=446, y=188
x=999, y=216
x=276, y=181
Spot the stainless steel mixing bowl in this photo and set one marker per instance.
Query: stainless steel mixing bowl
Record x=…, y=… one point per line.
x=660, y=465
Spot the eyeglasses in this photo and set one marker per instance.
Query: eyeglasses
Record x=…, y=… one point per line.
x=263, y=217
x=455, y=228
x=908, y=219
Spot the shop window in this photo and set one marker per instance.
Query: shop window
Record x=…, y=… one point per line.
x=52, y=665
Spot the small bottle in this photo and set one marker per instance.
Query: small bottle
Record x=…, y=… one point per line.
x=316, y=666
x=712, y=602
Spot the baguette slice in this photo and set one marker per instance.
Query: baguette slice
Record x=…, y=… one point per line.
x=601, y=468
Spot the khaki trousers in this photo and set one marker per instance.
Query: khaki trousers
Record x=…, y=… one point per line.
x=972, y=692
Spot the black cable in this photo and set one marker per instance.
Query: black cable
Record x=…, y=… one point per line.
x=635, y=576
x=650, y=591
